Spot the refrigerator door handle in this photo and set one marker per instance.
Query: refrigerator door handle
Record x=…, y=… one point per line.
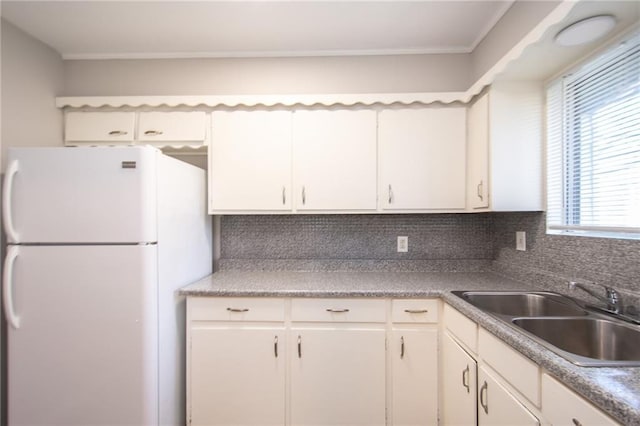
x=12, y=235
x=7, y=287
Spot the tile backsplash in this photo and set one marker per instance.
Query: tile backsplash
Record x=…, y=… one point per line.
x=437, y=242
x=552, y=260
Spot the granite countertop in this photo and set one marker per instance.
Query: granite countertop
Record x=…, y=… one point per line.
x=615, y=390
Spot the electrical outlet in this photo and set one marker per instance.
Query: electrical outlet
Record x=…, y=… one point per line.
x=521, y=241
x=403, y=244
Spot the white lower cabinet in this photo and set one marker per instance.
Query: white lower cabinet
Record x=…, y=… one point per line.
x=498, y=406
x=338, y=376
x=562, y=407
x=237, y=376
x=362, y=362
x=473, y=392
x=414, y=361
x=459, y=384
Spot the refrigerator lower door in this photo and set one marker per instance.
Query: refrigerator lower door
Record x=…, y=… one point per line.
x=85, y=350
x=81, y=195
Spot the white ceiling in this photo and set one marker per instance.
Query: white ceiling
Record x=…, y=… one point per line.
x=175, y=29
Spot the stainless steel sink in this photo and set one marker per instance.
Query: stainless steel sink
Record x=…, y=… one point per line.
x=581, y=335
x=587, y=341
x=523, y=304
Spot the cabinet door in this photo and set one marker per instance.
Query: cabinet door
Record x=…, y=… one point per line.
x=237, y=376
x=337, y=376
x=172, y=126
x=478, y=154
x=459, y=384
x=334, y=160
x=99, y=127
x=563, y=407
x=250, y=161
x=496, y=406
x=422, y=158
x=414, y=360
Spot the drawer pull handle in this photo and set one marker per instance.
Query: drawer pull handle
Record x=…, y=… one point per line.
x=337, y=311
x=118, y=133
x=275, y=346
x=284, y=195
x=576, y=422
x=304, y=196
x=479, y=190
x=390, y=200
x=401, y=347
x=416, y=311
x=465, y=378
x=153, y=133
x=484, y=390
x=299, y=346
x=238, y=309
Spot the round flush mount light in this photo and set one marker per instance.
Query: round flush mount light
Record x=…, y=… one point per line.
x=585, y=30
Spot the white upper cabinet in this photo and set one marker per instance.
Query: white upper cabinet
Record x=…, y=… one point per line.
x=334, y=164
x=478, y=154
x=179, y=126
x=422, y=159
x=505, y=149
x=250, y=161
x=113, y=127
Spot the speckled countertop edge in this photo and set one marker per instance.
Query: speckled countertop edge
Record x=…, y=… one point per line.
x=615, y=390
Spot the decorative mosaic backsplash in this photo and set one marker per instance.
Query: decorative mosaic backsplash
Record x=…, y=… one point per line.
x=552, y=260
x=440, y=242
x=437, y=242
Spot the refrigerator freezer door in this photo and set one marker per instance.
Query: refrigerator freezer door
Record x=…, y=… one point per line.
x=81, y=195
x=85, y=351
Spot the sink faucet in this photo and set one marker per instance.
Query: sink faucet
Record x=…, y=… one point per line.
x=611, y=297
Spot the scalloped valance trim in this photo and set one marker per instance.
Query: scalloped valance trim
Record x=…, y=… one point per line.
x=347, y=100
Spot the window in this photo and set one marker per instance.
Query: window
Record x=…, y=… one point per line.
x=593, y=147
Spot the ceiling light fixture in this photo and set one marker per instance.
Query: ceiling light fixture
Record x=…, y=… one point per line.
x=585, y=30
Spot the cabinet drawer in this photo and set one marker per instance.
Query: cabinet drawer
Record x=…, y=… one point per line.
x=462, y=327
x=561, y=406
x=414, y=310
x=99, y=126
x=172, y=126
x=338, y=310
x=518, y=370
x=235, y=309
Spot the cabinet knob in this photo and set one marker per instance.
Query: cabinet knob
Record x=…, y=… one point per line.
x=576, y=422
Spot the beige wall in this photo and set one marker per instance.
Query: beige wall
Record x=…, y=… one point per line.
x=32, y=76
x=342, y=74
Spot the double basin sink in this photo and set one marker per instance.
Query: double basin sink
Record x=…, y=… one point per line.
x=580, y=335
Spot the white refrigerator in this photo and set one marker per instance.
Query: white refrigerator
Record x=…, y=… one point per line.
x=99, y=241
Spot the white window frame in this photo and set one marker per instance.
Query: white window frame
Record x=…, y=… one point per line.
x=567, y=213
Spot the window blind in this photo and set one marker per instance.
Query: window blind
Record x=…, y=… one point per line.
x=593, y=146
